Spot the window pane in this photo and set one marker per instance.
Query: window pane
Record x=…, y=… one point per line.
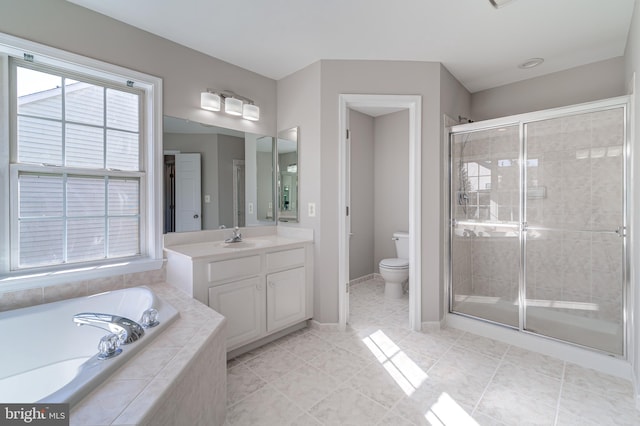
x=122, y=110
x=41, y=243
x=85, y=197
x=85, y=239
x=40, y=196
x=123, y=236
x=39, y=141
x=39, y=93
x=84, y=102
x=84, y=146
x=122, y=150
x=124, y=196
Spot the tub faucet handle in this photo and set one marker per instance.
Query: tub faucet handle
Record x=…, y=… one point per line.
x=149, y=318
x=109, y=346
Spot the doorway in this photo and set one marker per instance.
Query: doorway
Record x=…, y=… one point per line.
x=390, y=102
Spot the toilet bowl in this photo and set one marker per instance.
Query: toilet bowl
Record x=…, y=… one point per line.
x=395, y=271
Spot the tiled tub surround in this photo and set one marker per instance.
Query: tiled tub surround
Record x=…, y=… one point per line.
x=380, y=373
x=37, y=296
x=53, y=361
x=178, y=379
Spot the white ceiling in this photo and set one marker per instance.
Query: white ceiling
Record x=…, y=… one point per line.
x=480, y=45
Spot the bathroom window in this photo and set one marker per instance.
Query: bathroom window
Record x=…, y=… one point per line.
x=76, y=174
x=81, y=153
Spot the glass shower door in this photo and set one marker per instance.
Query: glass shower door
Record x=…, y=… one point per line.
x=485, y=231
x=574, y=239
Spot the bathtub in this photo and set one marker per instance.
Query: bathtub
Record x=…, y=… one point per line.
x=47, y=358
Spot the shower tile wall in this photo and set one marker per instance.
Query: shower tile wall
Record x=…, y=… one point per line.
x=578, y=160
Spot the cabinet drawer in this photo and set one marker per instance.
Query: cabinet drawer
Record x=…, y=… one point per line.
x=285, y=259
x=234, y=268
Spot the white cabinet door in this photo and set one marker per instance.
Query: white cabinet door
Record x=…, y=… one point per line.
x=286, y=296
x=242, y=304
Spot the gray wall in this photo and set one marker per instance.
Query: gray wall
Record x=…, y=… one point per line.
x=324, y=82
x=184, y=71
x=569, y=87
x=207, y=146
x=391, y=181
x=362, y=209
x=632, y=67
x=298, y=100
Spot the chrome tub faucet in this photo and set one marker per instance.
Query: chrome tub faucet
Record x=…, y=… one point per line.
x=127, y=330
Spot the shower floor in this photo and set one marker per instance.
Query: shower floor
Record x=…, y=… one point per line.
x=593, y=333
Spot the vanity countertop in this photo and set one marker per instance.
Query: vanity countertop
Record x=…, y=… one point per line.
x=247, y=245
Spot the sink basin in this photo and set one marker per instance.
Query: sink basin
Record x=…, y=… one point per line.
x=244, y=244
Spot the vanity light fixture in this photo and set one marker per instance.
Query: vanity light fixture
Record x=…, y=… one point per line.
x=234, y=104
x=210, y=101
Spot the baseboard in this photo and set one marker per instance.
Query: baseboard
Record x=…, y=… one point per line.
x=324, y=326
x=263, y=341
x=431, y=326
x=369, y=277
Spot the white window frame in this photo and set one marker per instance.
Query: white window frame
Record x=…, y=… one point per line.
x=150, y=154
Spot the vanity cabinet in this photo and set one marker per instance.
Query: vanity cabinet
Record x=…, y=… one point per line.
x=259, y=292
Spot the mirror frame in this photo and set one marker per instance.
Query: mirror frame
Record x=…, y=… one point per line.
x=292, y=134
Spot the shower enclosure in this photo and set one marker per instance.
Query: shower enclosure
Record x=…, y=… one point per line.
x=538, y=223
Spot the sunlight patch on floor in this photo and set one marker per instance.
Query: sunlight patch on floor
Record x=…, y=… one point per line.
x=447, y=412
x=400, y=367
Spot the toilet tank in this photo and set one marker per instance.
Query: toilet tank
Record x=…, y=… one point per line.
x=402, y=244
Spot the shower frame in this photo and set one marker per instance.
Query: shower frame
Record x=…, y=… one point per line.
x=521, y=120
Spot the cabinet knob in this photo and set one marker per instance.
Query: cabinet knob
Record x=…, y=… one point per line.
x=195, y=216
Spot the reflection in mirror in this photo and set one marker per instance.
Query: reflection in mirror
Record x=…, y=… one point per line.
x=287, y=167
x=215, y=177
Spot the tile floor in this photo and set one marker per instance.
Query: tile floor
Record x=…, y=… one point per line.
x=380, y=373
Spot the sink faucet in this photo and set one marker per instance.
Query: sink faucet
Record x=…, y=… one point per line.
x=236, y=237
x=127, y=330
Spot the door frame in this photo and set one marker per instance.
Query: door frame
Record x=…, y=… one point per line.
x=413, y=103
x=238, y=164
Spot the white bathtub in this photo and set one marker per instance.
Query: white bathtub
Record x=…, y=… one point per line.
x=45, y=357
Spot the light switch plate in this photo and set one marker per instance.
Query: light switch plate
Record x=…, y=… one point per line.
x=250, y=208
x=207, y=198
x=312, y=209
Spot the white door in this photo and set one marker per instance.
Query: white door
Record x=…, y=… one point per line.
x=188, y=193
x=286, y=298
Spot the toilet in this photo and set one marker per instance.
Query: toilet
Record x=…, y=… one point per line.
x=395, y=271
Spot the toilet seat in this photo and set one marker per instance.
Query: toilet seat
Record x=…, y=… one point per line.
x=394, y=263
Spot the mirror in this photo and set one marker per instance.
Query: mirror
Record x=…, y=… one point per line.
x=216, y=177
x=287, y=170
